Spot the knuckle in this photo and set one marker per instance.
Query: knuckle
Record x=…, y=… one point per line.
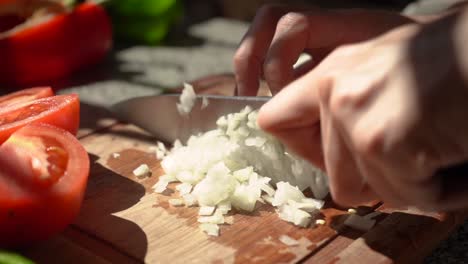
x=293, y=20
x=324, y=89
x=370, y=143
x=240, y=57
x=340, y=101
x=272, y=69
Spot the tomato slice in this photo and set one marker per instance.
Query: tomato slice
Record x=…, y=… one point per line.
x=60, y=110
x=42, y=183
x=25, y=95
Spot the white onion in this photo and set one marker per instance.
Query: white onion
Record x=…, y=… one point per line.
x=176, y=202
x=206, y=210
x=236, y=165
x=210, y=229
x=288, y=241
x=142, y=171
x=187, y=100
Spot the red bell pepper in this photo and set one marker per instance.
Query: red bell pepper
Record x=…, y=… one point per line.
x=39, y=51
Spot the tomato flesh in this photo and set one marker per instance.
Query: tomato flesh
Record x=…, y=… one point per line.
x=25, y=95
x=42, y=183
x=61, y=110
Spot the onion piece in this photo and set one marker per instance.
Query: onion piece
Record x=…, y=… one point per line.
x=205, y=102
x=216, y=218
x=187, y=100
x=142, y=171
x=206, y=210
x=160, y=186
x=296, y=216
x=190, y=199
x=210, y=229
x=320, y=222
x=288, y=241
x=184, y=188
x=176, y=202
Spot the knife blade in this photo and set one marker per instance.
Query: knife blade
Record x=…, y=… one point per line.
x=158, y=114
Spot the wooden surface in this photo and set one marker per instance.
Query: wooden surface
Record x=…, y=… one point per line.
x=123, y=221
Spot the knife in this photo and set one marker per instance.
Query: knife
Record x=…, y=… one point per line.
x=158, y=114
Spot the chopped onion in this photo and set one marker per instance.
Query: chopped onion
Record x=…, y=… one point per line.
x=237, y=165
x=206, y=210
x=224, y=207
x=187, y=100
x=160, y=186
x=319, y=222
x=352, y=211
x=115, y=155
x=210, y=229
x=205, y=102
x=285, y=192
x=294, y=215
x=216, y=218
x=184, y=188
x=176, y=202
x=190, y=199
x=142, y=171
x=288, y=241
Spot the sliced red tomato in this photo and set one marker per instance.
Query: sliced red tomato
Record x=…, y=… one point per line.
x=25, y=95
x=60, y=110
x=42, y=183
x=51, y=44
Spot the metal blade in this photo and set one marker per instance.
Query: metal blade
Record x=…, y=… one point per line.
x=159, y=115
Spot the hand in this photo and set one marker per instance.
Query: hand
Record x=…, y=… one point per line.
x=382, y=116
x=279, y=34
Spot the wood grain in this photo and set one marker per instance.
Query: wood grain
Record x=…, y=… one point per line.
x=122, y=210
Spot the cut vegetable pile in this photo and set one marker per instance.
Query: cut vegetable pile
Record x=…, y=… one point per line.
x=236, y=166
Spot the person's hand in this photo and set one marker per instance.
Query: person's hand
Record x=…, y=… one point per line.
x=279, y=34
x=382, y=116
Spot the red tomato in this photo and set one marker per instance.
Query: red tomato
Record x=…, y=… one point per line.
x=25, y=95
x=61, y=110
x=42, y=183
x=56, y=47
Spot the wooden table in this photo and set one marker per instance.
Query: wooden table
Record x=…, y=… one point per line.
x=123, y=221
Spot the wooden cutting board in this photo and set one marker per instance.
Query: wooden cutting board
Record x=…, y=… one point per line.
x=123, y=221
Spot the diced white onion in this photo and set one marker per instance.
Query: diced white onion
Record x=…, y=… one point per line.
x=184, y=188
x=288, y=241
x=187, y=100
x=176, y=202
x=237, y=165
x=206, y=210
x=216, y=218
x=190, y=199
x=115, y=155
x=142, y=171
x=210, y=229
x=160, y=186
x=205, y=102
x=320, y=222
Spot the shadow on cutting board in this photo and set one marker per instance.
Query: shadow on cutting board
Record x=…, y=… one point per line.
x=109, y=193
